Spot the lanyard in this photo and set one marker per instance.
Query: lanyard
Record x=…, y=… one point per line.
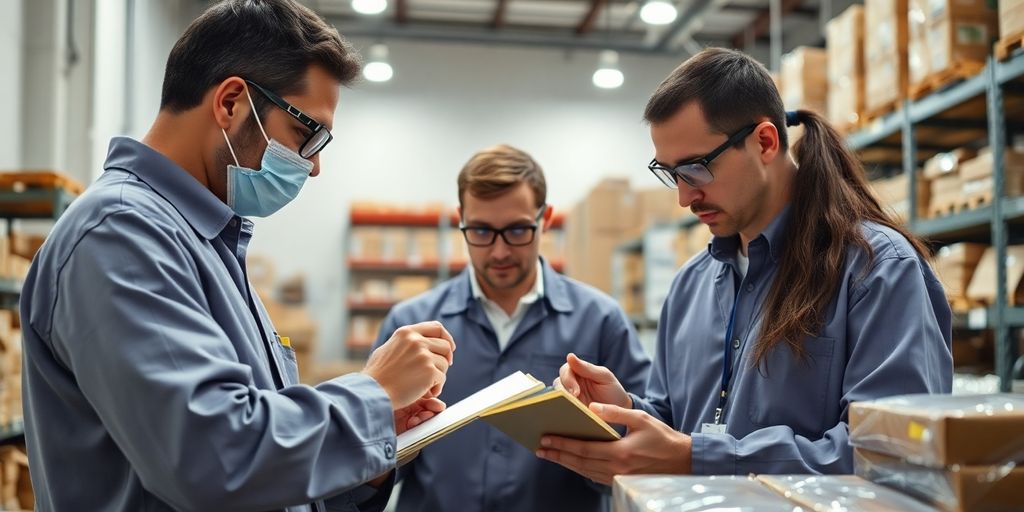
x=726, y=363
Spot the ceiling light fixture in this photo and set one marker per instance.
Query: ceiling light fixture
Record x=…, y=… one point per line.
x=378, y=69
x=608, y=75
x=658, y=12
x=369, y=6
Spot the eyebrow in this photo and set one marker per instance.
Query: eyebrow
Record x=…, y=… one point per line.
x=481, y=224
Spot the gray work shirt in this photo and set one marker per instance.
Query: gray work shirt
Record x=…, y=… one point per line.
x=887, y=332
x=153, y=377
x=479, y=468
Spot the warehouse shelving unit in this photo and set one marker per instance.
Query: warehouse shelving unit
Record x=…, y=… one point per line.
x=31, y=203
x=440, y=266
x=980, y=108
x=938, y=123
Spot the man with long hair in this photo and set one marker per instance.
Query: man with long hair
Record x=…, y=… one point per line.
x=810, y=296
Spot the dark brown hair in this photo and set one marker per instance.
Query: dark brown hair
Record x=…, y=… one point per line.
x=496, y=170
x=271, y=42
x=830, y=199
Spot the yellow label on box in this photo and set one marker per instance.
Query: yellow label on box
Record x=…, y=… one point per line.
x=916, y=431
x=286, y=341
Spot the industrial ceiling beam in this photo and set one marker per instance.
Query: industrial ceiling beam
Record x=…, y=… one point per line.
x=590, y=18
x=500, y=11
x=401, y=11
x=692, y=14
x=762, y=24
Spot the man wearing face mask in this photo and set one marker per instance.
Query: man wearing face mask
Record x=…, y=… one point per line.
x=148, y=356
x=514, y=312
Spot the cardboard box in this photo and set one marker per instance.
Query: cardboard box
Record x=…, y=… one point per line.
x=654, y=206
x=885, y=52
x=609, y=206
x=805, y=79
x=949, y=162
x=365, y=243
x=939, y=8
x=919, y=58
x=893, y=192
x=942, y=430
x=552, y=245
x=845, y=56
x=951, y=489
x=698, y=238
x=840, y=493
x=983, y=283
x=407, y=287
x=955, y=39
x=425, y=246
x=949, y=184
x=650, y=493
x=955, y=266
x=26, y=245
x=1011, y=18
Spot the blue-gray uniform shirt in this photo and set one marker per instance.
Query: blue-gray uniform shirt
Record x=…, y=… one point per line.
x=886, y=333
x=154, y=379
x=478, y=468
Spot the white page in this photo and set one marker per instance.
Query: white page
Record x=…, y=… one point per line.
x=469, y=408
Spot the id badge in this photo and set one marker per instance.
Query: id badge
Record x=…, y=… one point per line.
x=712, y=428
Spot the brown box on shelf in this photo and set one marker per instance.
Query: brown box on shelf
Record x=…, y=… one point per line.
x=609, y=206
x=955, y=265
x=983, y=283
x=885, y=53
x=919, y=59
x=698, y=237
x=845, y=56
x=653, y=206
x=650, y=493
x=363, y=330
x=376, y=290
x=681, y=247
x=942, y=430
x=960, y=40
x=26, y=245
x=552, y=245
x=456, y=248
x=426, y=246
x=945, y=185
x=366, y=243
x=893, y=193
x=949, y=162
x=395, y=244
x=1011, y=18
x=407, y=287
x=958, y=488
x=805, y=79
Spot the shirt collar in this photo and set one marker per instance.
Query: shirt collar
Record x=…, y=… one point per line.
x=724, y=248
x=207, y=214
x=531, y=296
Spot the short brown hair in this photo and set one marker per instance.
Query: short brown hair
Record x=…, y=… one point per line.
x=271, y=42
x=498, y=169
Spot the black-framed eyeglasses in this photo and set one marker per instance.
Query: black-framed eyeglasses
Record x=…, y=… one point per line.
x=516, y=235
x=316, y=140
x=695, y=172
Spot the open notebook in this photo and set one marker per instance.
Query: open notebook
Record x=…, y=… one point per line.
x=518, y=405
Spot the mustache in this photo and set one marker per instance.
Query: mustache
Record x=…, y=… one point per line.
x=699, y=208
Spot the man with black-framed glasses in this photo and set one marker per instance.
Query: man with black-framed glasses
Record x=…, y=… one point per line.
x=147, y=352
x=510, y=311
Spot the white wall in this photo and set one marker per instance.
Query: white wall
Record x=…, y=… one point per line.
x=11, y=48
x=405, y=141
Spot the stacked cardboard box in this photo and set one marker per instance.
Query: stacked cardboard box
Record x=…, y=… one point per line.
x=942, y=177
x=885, y=54
x=957, y=452
x=595, y=227
x=983, y=282
x=1011, y=18
x=788, y=493
x=805, y=79
x=955, y=265
x=15, y=484
x=651, y=206
x=632, y=297
x=893, y=193
x=976, y=175
x=845, y=46
x=949, y=40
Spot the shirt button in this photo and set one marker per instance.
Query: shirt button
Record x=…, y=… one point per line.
x=736, y=344
x=389, y=451
x=750, y=287
x=496, y=448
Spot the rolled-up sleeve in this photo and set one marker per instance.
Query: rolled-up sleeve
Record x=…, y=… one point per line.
x=132, y=323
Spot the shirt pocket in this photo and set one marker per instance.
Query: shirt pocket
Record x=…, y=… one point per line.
x=290, y=364
x=545, y=366
x=791, y=391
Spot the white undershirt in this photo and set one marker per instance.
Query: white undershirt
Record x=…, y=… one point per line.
x=743, y=262
x=505, y=325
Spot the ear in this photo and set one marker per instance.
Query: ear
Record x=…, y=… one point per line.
x=230, y=103
x=549, y=217
x=767, y=137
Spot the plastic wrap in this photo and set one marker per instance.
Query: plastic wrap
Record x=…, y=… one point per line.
x=845, y=493
x=660, y=493
x=942, y=430
x=996, y=488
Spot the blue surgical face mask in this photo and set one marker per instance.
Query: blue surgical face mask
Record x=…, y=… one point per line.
x=260, y=193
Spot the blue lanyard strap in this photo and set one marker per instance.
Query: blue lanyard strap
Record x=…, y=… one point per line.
x=726, y=363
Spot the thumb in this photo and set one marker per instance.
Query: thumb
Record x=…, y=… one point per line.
x=631, y=418
x=585, y=369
